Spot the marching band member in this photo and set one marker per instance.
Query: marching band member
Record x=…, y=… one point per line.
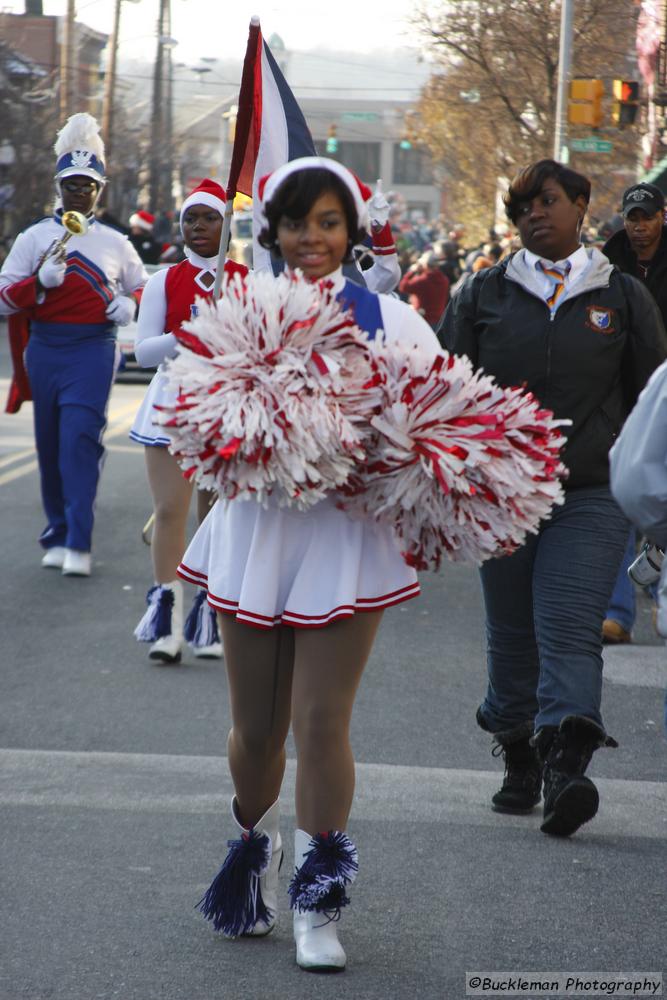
x=75, y=297
x=168, y=301
x=301, y=595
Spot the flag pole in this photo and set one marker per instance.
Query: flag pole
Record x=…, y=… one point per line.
x=241, y=135
x=222, y=249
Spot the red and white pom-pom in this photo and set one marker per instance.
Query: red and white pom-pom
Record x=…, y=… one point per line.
x=461, y=467
x=272, y=396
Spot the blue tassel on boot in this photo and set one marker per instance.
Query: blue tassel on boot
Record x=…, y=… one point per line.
x=320, y=884
x=201, y=625
x=233, y=901
x=156, y=622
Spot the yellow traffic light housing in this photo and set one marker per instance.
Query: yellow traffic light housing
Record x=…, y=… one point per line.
x=626, y=102
x=585, y=104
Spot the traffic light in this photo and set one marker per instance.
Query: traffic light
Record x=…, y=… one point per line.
x=585, y=104
x=626, y=102
x=332, y=140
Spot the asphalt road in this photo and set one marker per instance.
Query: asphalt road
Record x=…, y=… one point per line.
x=114, y=793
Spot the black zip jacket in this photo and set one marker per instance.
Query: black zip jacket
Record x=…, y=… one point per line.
x=589, y=363
x=620, y=252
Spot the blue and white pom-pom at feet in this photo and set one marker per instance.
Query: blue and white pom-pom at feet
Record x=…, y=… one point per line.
x=324, y=866
x=201, y=625
x=156, y=622
x=320, y=883
x=242, y=899
x=162, y=623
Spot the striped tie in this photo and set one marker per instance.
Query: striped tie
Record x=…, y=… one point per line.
x=557, y=276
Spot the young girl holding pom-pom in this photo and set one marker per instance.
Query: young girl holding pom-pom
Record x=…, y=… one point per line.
x=302, y=594
x=168, y=302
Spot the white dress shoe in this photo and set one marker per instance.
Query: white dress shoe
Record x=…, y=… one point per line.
x=212, y=652
x=76, y=563
x=54, y=557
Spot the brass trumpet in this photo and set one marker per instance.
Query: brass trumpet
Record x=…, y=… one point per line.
x=76, y=224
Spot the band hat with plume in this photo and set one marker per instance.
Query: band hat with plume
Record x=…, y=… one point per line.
x=361, y=193
x=79, y=149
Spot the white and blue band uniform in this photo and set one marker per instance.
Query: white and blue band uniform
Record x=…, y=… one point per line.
x=70, y=359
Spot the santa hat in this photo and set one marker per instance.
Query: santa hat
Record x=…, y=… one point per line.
x=209, y=193
x=79, y=149
x=143, y=220
x=361, y=193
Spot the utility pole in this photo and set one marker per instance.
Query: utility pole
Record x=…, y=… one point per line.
x=110, y=83
x=160, y=174
x=67, y=67
x=157, y=124
x=561, y=149
x=168, y=160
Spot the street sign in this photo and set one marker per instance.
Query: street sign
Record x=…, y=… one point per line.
x=360, y=116
x=591, y=145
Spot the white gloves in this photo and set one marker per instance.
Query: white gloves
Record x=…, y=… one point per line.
x=52, y=272
x=121, y=310
x=378, y=207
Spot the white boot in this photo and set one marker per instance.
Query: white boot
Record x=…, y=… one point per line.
x=201, y=629
x=268, y=883
x=243, y=898
x=162, y=623
x=320, y=882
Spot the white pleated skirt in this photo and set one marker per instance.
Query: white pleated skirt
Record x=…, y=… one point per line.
x=143, y=430
x=304, y=569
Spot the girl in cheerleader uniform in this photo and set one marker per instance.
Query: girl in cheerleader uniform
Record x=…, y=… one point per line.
x=169, y=301
x=301, y=596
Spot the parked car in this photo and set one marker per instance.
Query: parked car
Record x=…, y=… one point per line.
x=129, y=370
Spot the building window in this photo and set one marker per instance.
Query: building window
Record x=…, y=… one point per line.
x=363, y=158
x=412, y=166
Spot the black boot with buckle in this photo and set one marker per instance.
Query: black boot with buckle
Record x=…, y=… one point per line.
x=570, y=798
x=520, y=791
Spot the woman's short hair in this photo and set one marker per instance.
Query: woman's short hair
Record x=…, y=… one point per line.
x=296, y=196
x=529, y=182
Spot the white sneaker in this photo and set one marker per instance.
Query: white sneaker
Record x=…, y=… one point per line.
x=76, y=563
x=54, y=557
x=212, y=652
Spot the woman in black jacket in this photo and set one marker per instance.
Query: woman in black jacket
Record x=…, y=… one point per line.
x=562, y=321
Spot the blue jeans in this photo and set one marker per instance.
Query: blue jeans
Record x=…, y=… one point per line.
x=623, y=602
x=544, y=610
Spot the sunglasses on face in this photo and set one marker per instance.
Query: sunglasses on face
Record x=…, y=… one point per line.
x=74, y=187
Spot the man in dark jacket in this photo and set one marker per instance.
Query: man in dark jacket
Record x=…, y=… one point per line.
x=639, y=249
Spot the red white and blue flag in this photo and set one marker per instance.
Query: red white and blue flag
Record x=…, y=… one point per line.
x=270, y=129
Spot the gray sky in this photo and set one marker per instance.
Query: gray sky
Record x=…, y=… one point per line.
x=209, y=28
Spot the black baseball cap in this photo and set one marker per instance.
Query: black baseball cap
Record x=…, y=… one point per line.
x=648, y=197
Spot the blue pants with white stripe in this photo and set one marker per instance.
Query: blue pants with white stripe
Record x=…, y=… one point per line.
x=71, y=370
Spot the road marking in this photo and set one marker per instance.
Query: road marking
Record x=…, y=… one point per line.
x=127, y=449
x=385, y=792
x=24, y=470
x=636, y=666
x=16, y=457
x=120, y=420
